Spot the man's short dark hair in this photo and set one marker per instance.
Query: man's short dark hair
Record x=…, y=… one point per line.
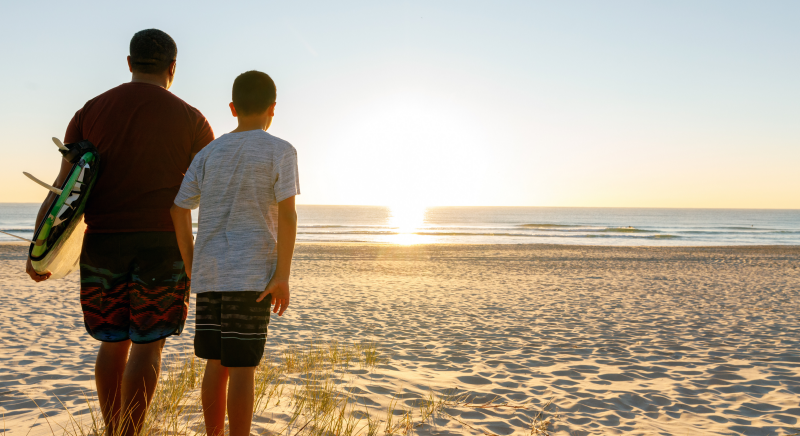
x=253, y=93
x=152, y=51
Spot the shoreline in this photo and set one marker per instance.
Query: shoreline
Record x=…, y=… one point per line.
x=530, y=244
x=520, y=225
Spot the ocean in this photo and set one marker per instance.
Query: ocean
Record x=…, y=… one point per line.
x=516, y=225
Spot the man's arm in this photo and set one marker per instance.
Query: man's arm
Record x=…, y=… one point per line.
x=278, y=286
x=62, y=176
x=182, y=220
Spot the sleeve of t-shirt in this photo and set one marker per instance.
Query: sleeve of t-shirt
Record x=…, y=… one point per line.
x=189, y=194
x=287, y=178
x=74, y=133
x=203, y=134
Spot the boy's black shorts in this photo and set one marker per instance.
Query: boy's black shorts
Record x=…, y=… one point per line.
x=231, y=327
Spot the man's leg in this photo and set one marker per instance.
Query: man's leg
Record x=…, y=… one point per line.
x=159, y=301
x=240, y=399
x=108, y=372
x=139, y=383
x=214, y=393
x=106, y=309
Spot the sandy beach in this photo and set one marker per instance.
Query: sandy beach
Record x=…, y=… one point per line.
x=670, y=341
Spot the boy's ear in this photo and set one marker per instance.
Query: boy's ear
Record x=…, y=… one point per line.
x=233, y=110
x=130, y=67
x=271, y=109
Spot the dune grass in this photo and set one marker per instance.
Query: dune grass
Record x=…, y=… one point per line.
x=307, y=388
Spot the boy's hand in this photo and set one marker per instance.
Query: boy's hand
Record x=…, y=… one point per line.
x=34, y=275
x=182, y=220
x=279, y=288
x=278, y=285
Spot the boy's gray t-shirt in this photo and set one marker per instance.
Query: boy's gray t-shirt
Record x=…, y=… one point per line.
x=237, y=181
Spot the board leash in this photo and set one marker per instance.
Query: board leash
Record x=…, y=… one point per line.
x=15, y=236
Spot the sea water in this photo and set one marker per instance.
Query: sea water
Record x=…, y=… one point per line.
x=516, y=225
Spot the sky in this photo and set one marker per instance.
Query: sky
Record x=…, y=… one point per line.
x=526, y=103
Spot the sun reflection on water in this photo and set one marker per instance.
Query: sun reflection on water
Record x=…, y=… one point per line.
x=406, y=220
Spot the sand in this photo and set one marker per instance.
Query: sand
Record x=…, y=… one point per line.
x=667, y=341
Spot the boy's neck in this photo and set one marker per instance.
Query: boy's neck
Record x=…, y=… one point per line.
x=253, y=123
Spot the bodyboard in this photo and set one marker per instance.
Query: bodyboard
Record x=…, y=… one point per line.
x=57, y=243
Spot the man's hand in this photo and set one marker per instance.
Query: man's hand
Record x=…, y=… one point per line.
x=34, y=275
x=279, y=289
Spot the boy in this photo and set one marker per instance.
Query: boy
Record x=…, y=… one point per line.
x=245, y=183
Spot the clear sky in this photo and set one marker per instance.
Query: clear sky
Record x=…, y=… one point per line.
x=568, y=103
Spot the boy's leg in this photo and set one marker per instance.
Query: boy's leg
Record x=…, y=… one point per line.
x=139, y=383
x=108, y=370
x=207, y=345
x=240, y=399
x=213, y=394
x=243, y=334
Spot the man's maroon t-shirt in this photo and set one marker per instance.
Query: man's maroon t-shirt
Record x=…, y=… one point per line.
x=146, y=137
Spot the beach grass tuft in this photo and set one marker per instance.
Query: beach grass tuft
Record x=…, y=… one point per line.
x=307, y=387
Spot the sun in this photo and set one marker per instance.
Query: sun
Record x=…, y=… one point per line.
x=406, y=219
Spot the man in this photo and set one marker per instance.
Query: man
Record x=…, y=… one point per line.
x=134, y=288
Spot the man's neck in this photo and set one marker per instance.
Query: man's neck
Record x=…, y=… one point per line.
x=151, y=79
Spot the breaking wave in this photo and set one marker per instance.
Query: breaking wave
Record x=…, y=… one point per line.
x=490, y=233
x=549, y=226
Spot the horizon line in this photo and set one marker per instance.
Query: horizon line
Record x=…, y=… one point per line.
x=542, y=207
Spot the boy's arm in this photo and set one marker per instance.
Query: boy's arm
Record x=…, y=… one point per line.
x=182, y=220
x=278, y=286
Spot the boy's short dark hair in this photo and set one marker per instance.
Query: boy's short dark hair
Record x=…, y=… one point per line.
x=253, y=93
x=152, y=51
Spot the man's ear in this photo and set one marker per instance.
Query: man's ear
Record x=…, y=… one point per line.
x=233, y=109
x=271, y=109
x=130, y=67
x=172, y=67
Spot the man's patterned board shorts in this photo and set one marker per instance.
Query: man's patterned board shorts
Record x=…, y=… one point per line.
x=133, y=286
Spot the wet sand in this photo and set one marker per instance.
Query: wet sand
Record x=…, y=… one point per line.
x=623, y=340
